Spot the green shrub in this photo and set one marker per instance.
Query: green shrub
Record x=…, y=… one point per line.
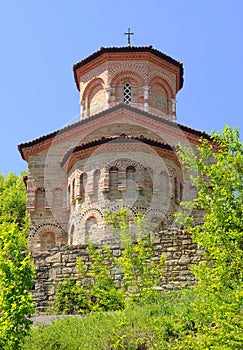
x=16, y=275
x=98, y=291
x=96, y=281
x=141, y=273
x=71, y=298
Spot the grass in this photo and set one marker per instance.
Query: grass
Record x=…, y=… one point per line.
x=136, y=327
x=171, y=322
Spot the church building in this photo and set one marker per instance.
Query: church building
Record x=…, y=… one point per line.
x=121, y=153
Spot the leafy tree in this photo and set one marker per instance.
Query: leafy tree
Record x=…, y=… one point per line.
x=16, y=274
x=218, y=173
x=13, y=200
x=219, y=178
x=16, y=268
x=141, y=273
x=96, y=290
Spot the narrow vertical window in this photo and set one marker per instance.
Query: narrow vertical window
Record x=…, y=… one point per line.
x=176, y=188
x=40, y=198
x=96, y=181
x=83, y=182
x=69, y=195
x=181, y=191
x=73, y=190
x=57, y=199
x=90, y=230
x=113, y=178
x=71, y=235
x=130, y=178
x=130, y=172
x=127, y=94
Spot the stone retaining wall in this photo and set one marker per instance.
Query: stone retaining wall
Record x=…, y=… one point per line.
x=60, y=263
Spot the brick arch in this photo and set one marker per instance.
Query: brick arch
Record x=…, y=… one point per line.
x=131, y=210
x=140, y=165
x=127, y=76
x=94, y=94
x=165, y=76
x=156, y=220
x=47, y=236
x=151, y=212
x=96, y=212
x=91, y=86
x=47, y=227
x=164, y=85
x=123, y=164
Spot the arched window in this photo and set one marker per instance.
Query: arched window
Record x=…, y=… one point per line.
x=130, y=177
x=96, y=181
x=70, y=240
x=156, y=224
x=57, y=198
x=176, y=189
x=90, y=229
x=181, y=191
x=127, y=94
x=68, y=195
x=40, y=198
x=47, y=241
x=113, y=178
x=73, y=190
x=130, y=172
x=83, y=182
x=148, y=182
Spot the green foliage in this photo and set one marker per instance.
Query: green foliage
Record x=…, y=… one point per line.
x=16, y=274
x=141, y=273
x=169, y=323
x=133, y=328
x=99, y=280
x=16, y=269
x=219, y=178
x=71, y=298
x=13, y=201
x=95, y=289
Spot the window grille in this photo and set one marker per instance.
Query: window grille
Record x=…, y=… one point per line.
x=127, y=94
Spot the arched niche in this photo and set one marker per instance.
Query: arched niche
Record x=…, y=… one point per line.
x=57, y=198
x=160, y=94
x=47, y=241
x=94, y=97
x=40, y=198
x=91, y=229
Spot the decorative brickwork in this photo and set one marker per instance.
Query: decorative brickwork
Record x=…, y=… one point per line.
x=122, y=153
x=139, y=71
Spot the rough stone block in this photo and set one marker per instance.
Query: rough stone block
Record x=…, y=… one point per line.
x=56, y=258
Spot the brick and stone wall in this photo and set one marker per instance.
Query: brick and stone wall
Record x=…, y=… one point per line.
x=59, y=263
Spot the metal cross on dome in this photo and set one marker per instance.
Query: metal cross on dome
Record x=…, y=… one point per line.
x=129, y=33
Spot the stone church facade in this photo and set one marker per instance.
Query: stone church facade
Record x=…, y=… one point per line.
x=122, y=152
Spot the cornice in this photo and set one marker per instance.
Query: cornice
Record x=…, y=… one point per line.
x=44, y=142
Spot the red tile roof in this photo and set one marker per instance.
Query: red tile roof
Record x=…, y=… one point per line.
x=117, y=138
x=99, y=115
x=149, y=49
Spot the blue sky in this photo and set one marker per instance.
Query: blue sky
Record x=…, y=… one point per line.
x=41, y=40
